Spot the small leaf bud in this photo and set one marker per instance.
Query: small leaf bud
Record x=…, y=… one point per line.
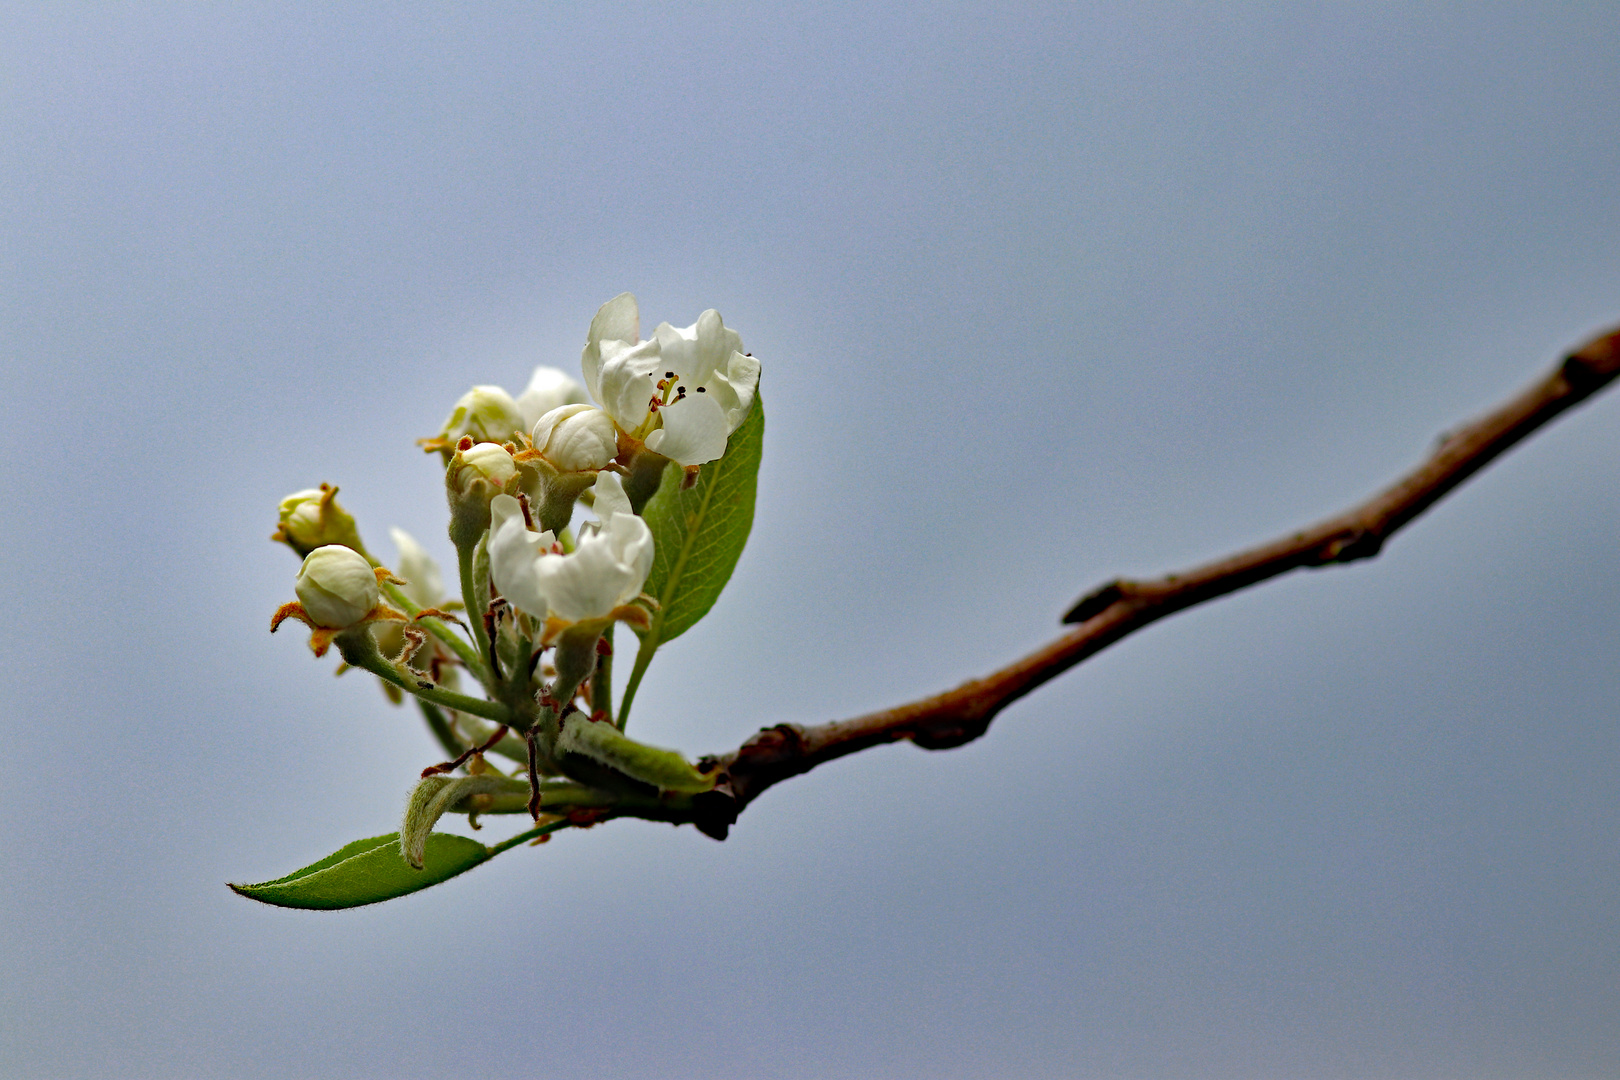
x=487, y=414
x=312, y=518
x=576, y=438
x=337, y=586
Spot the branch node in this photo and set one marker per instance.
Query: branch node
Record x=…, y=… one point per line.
x=1095, y=602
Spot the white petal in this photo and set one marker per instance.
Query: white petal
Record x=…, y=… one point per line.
x=610, y=496
x=548, y=388
x=607, y=569
x=424, y=585
x=697, y=351
x=515, y=555
x=695, y=430
x=616, y=320
x=629, y=381
x=734, y=387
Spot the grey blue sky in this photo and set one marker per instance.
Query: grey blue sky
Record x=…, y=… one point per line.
x=1043, y=294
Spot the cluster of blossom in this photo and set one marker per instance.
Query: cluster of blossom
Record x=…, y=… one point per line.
x=536, y=596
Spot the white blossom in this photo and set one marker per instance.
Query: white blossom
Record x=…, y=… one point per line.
x=605, y=571
x=683, y=391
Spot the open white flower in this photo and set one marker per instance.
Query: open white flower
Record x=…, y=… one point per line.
x=605, y=571
x=682, y=392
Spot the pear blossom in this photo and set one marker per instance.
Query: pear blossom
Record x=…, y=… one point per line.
x=575, y=438
x=549, y=388
x=336, y=586
x=682, y=392
x=606, y=570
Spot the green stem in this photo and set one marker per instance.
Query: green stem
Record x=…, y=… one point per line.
x=475, y=610
x=373, y=662
x=644, y=655
x=524, y=837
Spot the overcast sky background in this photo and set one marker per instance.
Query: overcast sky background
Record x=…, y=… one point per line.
x=1043, y=295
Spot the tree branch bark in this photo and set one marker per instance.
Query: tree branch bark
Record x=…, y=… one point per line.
x=1118, y=608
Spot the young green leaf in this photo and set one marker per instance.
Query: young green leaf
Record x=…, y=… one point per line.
x=368, y=872
x=698, y=536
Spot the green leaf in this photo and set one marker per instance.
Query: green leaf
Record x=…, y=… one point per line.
x=698, y=536
x=368, y=872
x=699, y=533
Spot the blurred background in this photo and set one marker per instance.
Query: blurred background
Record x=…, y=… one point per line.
x=1044, y=294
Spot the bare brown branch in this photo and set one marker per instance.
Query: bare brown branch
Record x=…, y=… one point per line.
x=1118, y=608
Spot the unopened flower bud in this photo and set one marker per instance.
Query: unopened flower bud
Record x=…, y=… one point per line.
x=549, y=388
x=476, y=474
x=337, y=586
x=487, y=414
x=312, y=518
x=576, y=438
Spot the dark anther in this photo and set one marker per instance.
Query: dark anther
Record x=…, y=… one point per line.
x=528, y=519
x=680, y=389
x=669, y=374
x=603, y=648
x=700, y=390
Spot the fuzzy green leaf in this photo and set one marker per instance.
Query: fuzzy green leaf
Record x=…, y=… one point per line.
x=699, y=532
x=368, y=872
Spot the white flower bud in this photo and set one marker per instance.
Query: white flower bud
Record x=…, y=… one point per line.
x=549, y=388
x=487, y=413
x=576, y=438
x=312, y=518
x=336, y=585
x=476, y=475
x=484, y=461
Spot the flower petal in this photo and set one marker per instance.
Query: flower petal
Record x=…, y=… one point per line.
x=695, y=430
x=610, y=496
x=515, y=553
x=616, y=320
x=697, y=351
x=628, y=381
